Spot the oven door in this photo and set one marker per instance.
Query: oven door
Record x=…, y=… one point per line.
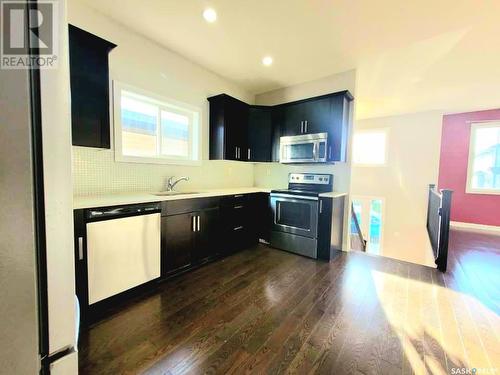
x=295, y=215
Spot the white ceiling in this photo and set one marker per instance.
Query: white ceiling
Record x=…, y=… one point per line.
x=410, y=55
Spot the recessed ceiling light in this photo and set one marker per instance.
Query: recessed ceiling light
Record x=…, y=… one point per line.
x=210, y=15
x=267, y=61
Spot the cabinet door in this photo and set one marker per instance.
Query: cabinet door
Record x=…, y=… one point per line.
x=277, y=119
x=208, y=234
x=293, y=117
x=235, y=128
x=259, y=134
x=338, y=133
x=89, y=82
x=239, y=223
x=228, y=128
x=231, y=132
x=318, y=116
x=177, y=241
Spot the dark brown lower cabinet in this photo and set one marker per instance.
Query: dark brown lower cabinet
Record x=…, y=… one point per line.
x=189, y=239
x=207, y=238
x=177, y=242
x=240, y=229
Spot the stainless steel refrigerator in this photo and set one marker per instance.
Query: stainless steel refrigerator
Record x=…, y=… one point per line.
x=38, y=318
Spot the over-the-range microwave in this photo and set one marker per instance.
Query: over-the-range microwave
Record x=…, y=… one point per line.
x=305, y=148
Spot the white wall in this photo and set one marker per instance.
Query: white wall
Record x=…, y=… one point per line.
x=144, y=64
x=412, y=164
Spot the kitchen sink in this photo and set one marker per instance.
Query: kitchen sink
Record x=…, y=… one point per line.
x=168, y=193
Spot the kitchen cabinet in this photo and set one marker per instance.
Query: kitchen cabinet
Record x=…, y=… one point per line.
x=190, y=233
x=177, y=242
x=293, y=119
x=228, y=128
x=306, y=117
x=259, y=134
x=324, y=114
x=317, y=116
x=330, y=227
x=207, y=237
x=277, y=118
x=239, y=227
x=252, y=133
x=262, y=215
x=338, y=131
x=89, y=81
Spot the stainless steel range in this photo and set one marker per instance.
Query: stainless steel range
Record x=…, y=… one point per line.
x=296, y=211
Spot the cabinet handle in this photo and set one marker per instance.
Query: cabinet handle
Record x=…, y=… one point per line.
x=238, y=228
x=240, y=206
x=302, y=127
x=238, y=195
x=80, y=248
x=249, y=154
x=198, y=222
x=305, y=126
x=194, y=223
x=236, y=152
x=329, y=152
x=320, y=206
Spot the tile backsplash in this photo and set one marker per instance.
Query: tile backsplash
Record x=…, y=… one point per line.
x=95, y=171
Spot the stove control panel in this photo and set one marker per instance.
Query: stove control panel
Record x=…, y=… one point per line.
x=309, y=178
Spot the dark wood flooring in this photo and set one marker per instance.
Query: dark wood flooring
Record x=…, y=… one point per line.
x=268, y=311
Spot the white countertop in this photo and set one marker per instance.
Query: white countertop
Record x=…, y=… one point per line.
x=333, y=194
x=115, y=199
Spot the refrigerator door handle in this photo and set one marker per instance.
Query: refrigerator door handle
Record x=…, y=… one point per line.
x=80, y=248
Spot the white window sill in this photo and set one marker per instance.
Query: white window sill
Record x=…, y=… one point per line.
x=165, y=161
x=483, y=191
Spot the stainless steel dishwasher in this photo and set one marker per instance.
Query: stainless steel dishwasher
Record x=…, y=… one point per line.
x=123, y=248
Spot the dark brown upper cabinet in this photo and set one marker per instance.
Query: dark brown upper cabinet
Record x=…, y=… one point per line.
x=228, y=128
x=322, y=114
x=252, y=133
x=89, y=80
x=259, y=133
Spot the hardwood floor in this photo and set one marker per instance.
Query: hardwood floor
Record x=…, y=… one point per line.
x=267, y=311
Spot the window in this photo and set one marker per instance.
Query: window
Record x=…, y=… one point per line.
x=369, y=147
x=483, y=172
x=150, y=129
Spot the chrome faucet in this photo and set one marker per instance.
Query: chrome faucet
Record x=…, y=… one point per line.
x=171, y=183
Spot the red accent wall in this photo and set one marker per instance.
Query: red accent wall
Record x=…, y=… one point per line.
x=468, y=208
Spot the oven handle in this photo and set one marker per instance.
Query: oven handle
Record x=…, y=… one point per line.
x=296, y=197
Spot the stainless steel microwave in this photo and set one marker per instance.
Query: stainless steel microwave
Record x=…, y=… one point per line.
x=305, y=148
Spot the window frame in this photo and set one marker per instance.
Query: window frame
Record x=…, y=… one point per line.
x=385, y=131
x=164, y=104
x=470, y=162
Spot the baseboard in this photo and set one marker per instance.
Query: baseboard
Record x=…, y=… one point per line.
x=475, y=227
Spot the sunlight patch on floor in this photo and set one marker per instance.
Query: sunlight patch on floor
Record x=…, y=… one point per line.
x=438, y=323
